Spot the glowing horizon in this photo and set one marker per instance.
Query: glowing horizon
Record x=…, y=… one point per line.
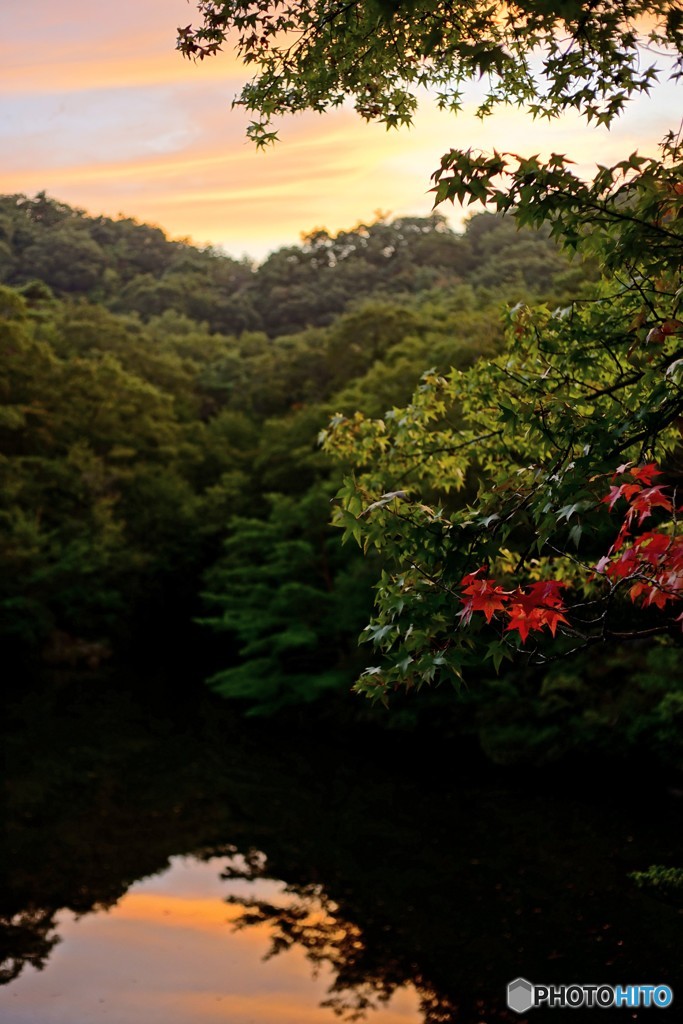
x=104, y=114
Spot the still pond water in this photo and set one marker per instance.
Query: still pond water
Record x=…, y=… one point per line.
x=155, y=856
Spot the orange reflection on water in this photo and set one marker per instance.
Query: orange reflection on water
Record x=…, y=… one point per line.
x=151, y=908
x=167, y=954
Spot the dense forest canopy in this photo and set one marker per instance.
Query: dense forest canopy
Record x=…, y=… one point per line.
x=133, y=268
x=156, y=469
x=169, y=389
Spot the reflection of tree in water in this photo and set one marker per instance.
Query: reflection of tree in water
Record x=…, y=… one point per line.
x=400, y=866
x=364, y=977
x=25, y=938
x=311, y=921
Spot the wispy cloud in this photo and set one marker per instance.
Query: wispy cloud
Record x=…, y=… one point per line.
x=99, y=110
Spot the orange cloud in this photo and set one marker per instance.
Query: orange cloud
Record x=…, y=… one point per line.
x=331, y=171
x=105, y=114
x=72, y=46
x=111, y=68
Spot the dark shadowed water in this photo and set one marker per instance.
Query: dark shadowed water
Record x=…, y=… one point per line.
x=154, y=854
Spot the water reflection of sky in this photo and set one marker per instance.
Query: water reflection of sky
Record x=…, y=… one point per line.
x=166, y=954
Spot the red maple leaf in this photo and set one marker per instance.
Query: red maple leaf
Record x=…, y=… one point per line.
x=637, y=589
x=646, y=473
x=547, y=593
x=622, y=491
x=521, y=621
x=658, y=597
x=671, y=582
x=626, y=565
x=472, y=576
x=621, y=536
x=484, y=596
x=651, y=497
x=552, y=618
x=652, y=546
x=540, y=606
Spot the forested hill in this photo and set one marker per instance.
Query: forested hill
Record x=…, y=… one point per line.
x=134, y=268
x=155, y=471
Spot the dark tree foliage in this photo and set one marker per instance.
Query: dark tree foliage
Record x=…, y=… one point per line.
x=147, y=460
x=142, y=450
x=315, y=54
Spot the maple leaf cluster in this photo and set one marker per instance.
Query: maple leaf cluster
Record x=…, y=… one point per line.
x=527, y=609
x=651, y=561
x=188, y=45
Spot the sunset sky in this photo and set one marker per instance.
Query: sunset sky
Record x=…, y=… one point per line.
x=99, y=109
